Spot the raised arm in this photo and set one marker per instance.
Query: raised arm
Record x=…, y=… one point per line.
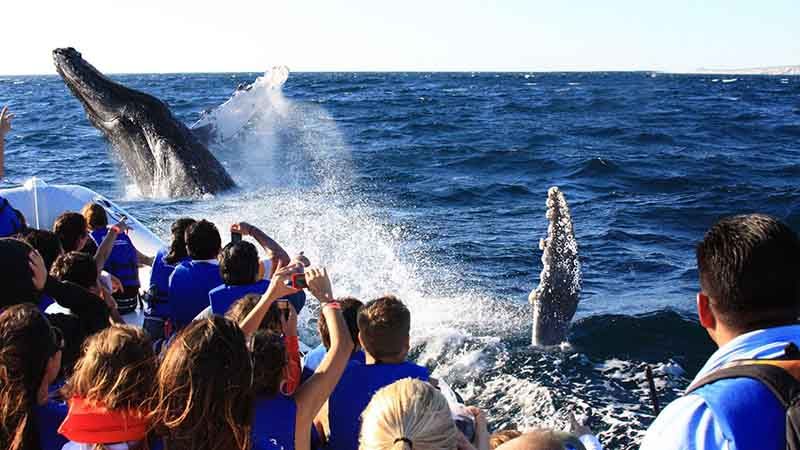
x=274, y=250
x=105, y=247
x=277, y=289
x=312, y=394
x=5, y=127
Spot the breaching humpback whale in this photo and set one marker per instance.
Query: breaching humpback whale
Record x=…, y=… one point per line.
x=555, y=300
x=160, y=153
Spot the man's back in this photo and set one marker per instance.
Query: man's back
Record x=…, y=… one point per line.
x=189, y=286
x=353, y=393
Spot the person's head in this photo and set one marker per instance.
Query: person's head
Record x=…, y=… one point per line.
x=46, y=242
x=177, y=248
x=77, y=267
x=242, y=307
x=350, y=308
x=501, y=437
x=204, y=395
x=408, y=414
x=384, y=327
x=15, y=273
x=203, y=240
x=543, y=440
x=95, y=215
x=269, y=362
x=72, y=230
x=30, y=357
x=238, y=263
x=748, y=267
x=116, y=369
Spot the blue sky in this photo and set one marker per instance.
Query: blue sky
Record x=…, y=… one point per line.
x=234, y=35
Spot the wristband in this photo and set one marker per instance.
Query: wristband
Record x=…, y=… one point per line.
x=333, y=305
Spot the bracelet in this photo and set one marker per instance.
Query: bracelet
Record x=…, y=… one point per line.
x=333, y=305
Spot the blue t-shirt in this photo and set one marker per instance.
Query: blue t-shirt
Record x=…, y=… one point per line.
x=9, y=222
x=353, y=393
x=159, y=284
x=223, y=296
x=313, y=359
x=189, y=286
x=274, y=423
x=48, y=418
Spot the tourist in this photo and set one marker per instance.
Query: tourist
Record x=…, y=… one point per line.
x=288, y=420
x=108, y=390
x=124, y=259
x=156, y=311
x=384, y=332
x=412, y=414
x=49, y=246
x=81, y=269
x=239, y=267
x=749, y=302
x=278, y=324
x=24, y=277
x=350, y=308
x=191, y=281
x=30, y=359
x=11, y=221
x=204, y=396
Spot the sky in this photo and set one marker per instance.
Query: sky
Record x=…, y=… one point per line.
x=148, y=36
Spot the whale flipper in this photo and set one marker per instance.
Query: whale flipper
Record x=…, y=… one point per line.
x=163, y=157
x=555, y=300
x=226, y=120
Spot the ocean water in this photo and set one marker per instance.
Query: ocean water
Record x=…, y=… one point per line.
x=432, y=187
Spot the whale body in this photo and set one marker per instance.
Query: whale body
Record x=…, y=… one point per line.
x=164, y=158
x=555, y=299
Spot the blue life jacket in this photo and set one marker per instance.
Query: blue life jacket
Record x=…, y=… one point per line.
x=159, y=284
x=224, y=296
x=189, y=285
x=123, y=262
x=274, y=422
x=313, y=359
x=9, y=222
x=48, y=418
x=748, y=413
x=45, y=301
x=353, y=393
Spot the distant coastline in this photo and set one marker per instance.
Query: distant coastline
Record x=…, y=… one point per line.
x=774, y=70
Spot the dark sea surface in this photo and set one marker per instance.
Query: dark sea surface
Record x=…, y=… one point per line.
x=432, y=186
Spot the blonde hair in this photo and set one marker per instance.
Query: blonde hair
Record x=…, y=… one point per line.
x=116, y=370
x=408, y=414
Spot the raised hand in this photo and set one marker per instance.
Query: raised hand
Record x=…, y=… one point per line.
x=5, y=121
x=243, y=228
x=319, y=284
x=38, y=270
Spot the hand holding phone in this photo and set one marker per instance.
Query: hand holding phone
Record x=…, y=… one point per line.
x=299, y=281
x=236, y=237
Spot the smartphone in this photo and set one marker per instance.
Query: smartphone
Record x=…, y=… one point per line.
x=283, y=307
x=299, y=281
x=236, y=237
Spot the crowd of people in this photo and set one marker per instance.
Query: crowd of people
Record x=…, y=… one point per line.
x=216, y=363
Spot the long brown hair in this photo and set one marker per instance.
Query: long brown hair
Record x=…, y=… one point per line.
x=116, y=369
x=204, y=395
x=26, y=345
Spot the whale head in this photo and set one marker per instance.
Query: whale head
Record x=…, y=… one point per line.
x=555, y=300
x=158, y=151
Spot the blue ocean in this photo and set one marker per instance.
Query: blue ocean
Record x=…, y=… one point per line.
x=432, y=186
